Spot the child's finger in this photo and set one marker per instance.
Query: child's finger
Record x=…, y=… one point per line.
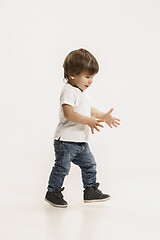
x=117, y=123
x=117, y=119
x=100, y=125
x=109, y=125
x=97, y=129
x=100, y=120
x=92, y=130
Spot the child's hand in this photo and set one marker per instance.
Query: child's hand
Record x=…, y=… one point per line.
x=110, y=120
x=93, y=123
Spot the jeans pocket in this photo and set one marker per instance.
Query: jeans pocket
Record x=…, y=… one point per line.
x=58, y=146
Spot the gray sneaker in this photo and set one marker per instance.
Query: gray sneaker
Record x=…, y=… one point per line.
x=93, y=194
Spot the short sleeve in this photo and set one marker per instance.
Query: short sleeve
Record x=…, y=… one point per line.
x=67, y=97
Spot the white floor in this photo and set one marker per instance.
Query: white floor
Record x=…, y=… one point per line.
x=133, y=212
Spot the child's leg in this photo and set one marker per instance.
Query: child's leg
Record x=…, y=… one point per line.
x=86, y=161
x=61, y=167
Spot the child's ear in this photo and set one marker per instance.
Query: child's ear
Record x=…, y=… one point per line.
x=72, y=77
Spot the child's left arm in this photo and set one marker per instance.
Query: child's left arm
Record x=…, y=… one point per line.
x=109, y=119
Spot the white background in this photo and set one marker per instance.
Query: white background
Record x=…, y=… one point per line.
x=124, y=37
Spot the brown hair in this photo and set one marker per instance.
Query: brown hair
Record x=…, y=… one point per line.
x=78, y=61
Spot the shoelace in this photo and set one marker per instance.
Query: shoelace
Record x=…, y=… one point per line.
x=96, y=188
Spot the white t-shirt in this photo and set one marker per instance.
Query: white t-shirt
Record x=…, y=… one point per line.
x=68, y=130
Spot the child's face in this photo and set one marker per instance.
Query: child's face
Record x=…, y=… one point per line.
x=83, y=80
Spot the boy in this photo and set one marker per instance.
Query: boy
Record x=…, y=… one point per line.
x=76, y=119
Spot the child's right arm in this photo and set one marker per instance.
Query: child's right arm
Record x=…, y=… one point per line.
x=69, y=114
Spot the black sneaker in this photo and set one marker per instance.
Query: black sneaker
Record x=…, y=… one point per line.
x=93, y=194
x=56, y=198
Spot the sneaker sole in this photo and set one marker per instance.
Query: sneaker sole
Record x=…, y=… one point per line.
x=55, y=205
x=97, y=200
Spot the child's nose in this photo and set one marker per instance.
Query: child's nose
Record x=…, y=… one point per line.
x=90, y=81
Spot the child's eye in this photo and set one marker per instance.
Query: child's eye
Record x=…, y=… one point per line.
x=87, y=77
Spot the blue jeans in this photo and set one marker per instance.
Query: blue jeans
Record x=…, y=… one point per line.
x=77, y=152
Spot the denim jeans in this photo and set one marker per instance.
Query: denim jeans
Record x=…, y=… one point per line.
x=77, y=152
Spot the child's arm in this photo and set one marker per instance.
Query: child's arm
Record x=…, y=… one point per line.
x=96, y=113
x=69, y=114
x=107, y=117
